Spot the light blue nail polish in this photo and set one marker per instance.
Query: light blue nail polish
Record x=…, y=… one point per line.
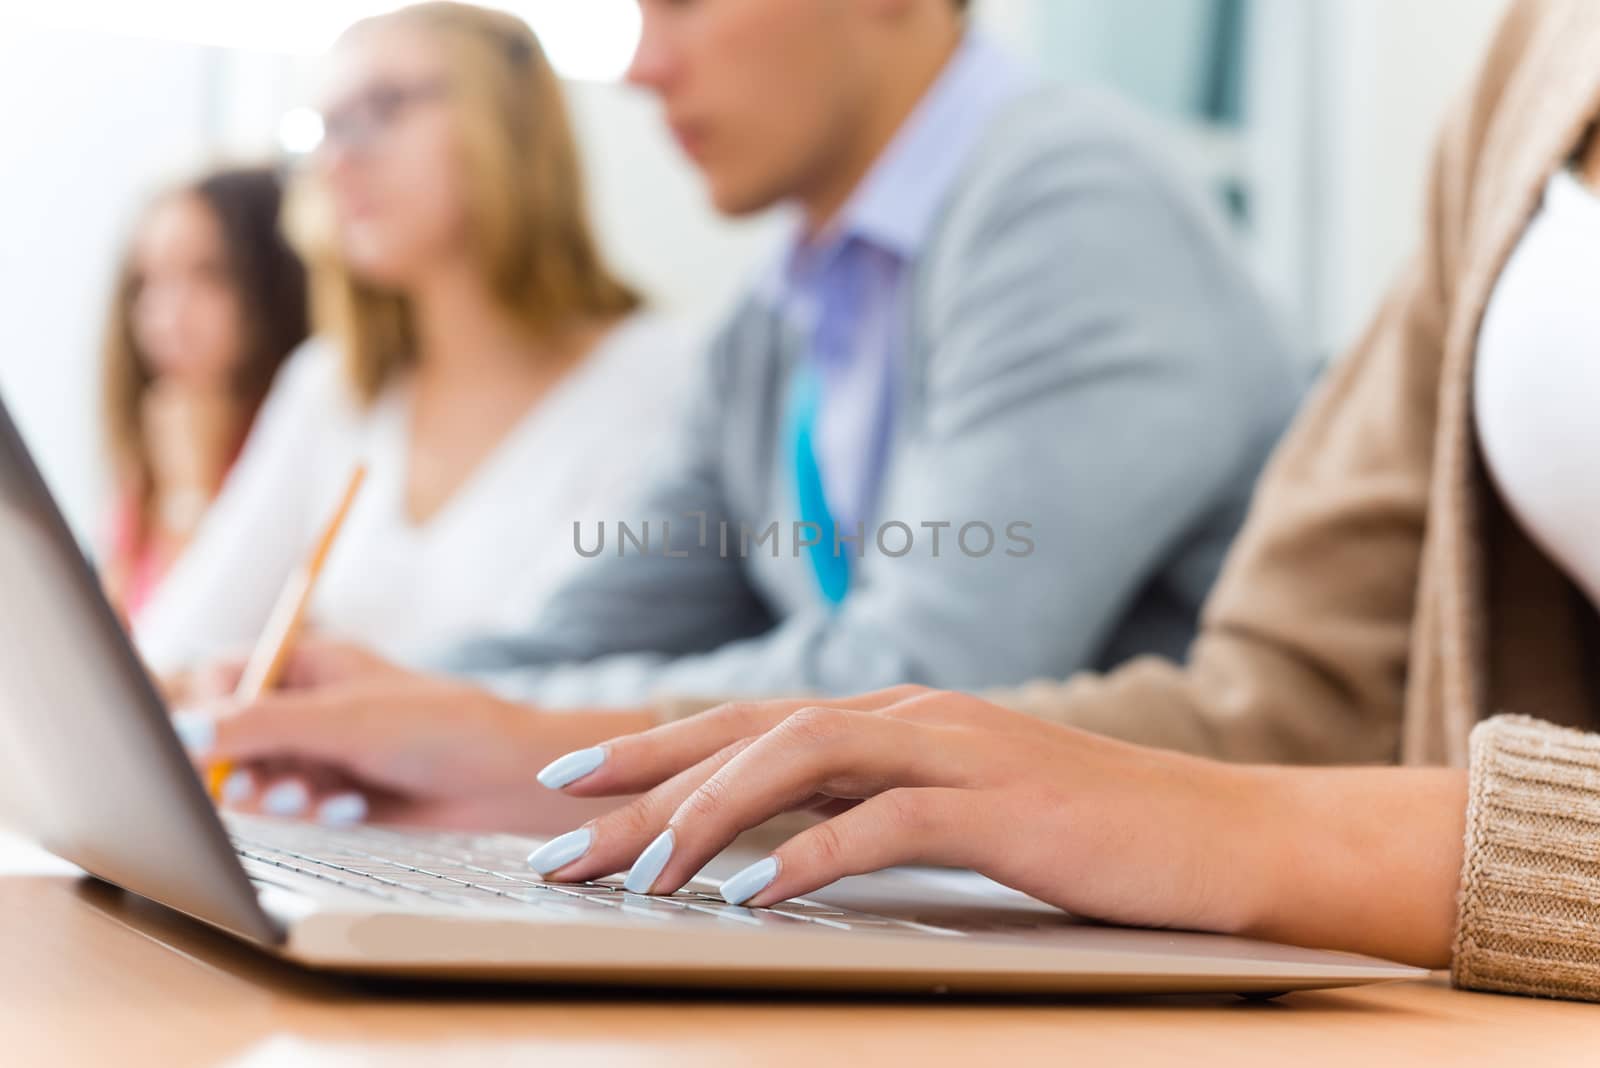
x=286, y=799
x=559, y=852
x=642, y=876
x=564, y=771
x=751, y=881
x=343, y=810
x=238, y=787
x=196, y=730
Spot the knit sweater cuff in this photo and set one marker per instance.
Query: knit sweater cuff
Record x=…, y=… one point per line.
x=1530, y=895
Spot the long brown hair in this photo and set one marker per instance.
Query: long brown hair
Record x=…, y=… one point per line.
x=271, y=287
x=527, y=213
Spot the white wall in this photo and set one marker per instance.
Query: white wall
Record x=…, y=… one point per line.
x=1389, y=71
x=91, y=123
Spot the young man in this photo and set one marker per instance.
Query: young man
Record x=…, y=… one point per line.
x=994, y=415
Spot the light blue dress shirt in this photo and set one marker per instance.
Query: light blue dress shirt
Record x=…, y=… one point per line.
x=844, y=291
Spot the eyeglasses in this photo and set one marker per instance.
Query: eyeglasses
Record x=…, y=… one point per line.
x=359, y=124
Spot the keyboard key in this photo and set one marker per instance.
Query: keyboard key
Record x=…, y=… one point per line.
x=478, y=871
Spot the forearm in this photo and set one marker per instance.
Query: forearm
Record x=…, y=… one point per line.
x=1360, y=859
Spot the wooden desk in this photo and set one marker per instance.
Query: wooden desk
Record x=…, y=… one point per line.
x=92, y=976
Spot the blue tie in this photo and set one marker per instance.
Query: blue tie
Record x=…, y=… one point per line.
x=805, y=403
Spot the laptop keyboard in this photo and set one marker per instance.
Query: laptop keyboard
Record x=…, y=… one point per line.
x=477, y=870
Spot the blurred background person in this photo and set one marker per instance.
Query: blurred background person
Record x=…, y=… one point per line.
x=1308, y=121
x=500, y=381
x=999, y=302
x=209, y=303
x=921, y=354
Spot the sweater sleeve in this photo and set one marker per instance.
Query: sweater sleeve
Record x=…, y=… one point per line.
x=1530, y=895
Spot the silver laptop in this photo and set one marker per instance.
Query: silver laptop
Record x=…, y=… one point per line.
x=102, y=781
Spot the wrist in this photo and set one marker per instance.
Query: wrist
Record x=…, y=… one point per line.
x=1242, y=837
x=1366, y=860
x=1273, y=832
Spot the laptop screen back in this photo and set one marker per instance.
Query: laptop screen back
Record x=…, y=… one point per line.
x=95, y=771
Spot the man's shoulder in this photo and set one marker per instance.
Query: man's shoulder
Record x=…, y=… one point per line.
x=1054, y=115
x=1058, y=137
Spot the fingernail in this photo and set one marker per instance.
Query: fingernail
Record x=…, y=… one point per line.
x=564, y=771
x=740, y=888
x=642, y=876
x=343, y=810
x=286, y=799
x=196, y=730
x=559, y=852
x=237, y=787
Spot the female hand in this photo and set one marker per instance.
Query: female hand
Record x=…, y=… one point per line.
x=917, y=776
x=351, y=736
x=315, y=662
x=1361, y=859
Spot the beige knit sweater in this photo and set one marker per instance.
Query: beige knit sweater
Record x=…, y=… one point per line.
x=1380, y=602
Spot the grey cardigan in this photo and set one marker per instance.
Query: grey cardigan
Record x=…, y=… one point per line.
x=1084, y=357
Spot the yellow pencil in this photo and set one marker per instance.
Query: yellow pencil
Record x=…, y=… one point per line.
x=272, y=649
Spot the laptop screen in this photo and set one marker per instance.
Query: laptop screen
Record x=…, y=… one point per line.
x=96, y=773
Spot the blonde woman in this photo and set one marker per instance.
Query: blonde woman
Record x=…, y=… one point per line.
x=478, y=354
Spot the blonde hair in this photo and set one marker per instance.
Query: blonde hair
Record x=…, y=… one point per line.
x=527, y=212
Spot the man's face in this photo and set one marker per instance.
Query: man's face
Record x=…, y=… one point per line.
x=758, y=93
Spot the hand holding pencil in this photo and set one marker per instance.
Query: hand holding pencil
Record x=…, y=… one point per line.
x=410, y=766
x=271, y=653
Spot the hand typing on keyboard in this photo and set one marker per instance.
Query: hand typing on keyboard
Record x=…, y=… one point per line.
x=1099, y=827
x=409, y=869
x=1096, y=826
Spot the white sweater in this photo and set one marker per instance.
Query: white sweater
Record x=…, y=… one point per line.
x=485, y=562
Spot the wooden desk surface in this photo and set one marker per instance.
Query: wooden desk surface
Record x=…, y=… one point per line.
x=92, y=976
